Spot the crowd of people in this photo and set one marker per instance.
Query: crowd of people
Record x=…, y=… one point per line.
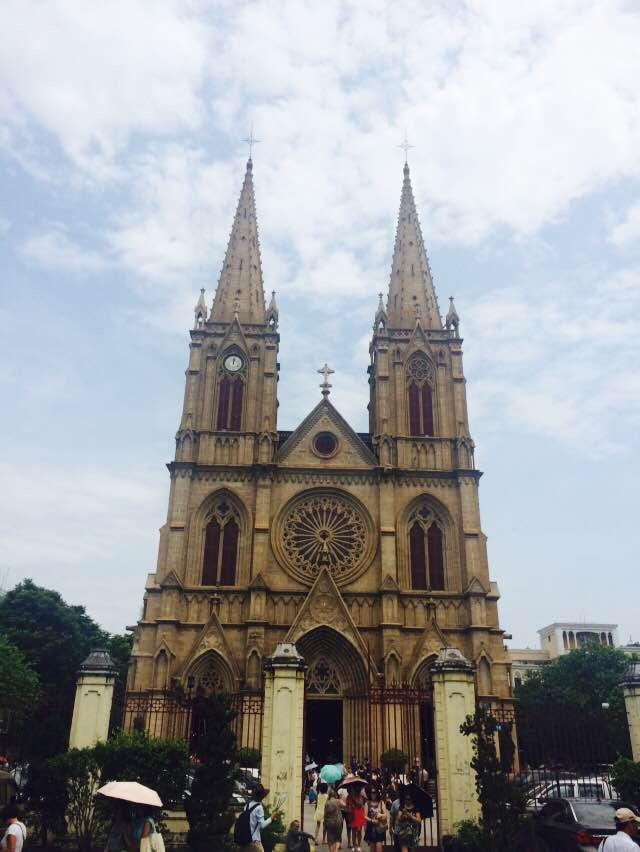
x=371, y=805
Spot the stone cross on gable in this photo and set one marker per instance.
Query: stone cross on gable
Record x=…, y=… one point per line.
x=325, y=387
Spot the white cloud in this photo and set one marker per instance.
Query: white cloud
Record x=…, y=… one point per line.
x=54, y=250
x=627, y=230
x=75, y=526
x=92, y=75
x=547, y=361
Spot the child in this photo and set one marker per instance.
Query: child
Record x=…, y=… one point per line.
x=296, y=840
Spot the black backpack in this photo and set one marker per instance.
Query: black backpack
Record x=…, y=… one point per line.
x=242, y=828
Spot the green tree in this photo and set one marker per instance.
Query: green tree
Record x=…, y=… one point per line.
x=625, y=777
x=53, y=636
x=19, y=687
x=54, y=639
x=502, y=802
x=209, y=805
x=584, y=678
x=157, y=763
x=81, y=773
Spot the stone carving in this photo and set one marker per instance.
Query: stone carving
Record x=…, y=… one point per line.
x=420, y=368
x=323, y=679
x=324, y=529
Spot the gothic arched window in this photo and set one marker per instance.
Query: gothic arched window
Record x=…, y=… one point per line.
x=221, y=538
x=230, y=393
x=420, y=380
x=426, y=550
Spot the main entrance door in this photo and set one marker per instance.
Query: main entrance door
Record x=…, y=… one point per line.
x=323, y=730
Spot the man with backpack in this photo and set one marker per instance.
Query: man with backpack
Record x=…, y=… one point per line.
x=251, y=822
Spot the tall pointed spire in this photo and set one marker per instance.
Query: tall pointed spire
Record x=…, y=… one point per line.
x=240, y=290
x=412, y=295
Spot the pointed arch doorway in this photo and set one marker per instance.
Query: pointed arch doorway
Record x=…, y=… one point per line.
x=335, y=683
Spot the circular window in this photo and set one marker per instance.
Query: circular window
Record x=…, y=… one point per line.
x=321, y=529
x=325, y=443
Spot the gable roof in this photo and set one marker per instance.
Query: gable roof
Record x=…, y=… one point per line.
x=325, y=409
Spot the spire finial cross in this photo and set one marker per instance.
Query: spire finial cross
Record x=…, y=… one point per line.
x=325, y=387
x=405, y=146
x=251, y=141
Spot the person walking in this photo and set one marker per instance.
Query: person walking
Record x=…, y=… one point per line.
x=16, y=832
x=257, y=821
x=626, y=829
x=407, y=825
x=333, y=821
x=376, y=830
x=323, y=795
x=356, y=804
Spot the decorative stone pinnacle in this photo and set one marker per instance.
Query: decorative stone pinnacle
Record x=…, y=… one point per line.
x=325, y=387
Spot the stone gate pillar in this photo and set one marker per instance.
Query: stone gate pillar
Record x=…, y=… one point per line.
x=453, y=700
x=94, y=696
x=282, y=729
x=631, y=691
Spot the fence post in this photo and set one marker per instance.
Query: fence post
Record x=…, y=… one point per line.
x=631, y=691
x=454, y=699
x=282, y=729
x=94, y=696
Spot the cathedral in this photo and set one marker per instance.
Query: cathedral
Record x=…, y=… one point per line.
x=363, y=550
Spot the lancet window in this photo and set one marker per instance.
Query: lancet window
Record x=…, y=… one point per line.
x=426, y=550
x=420, y=382
x=230, y=393
x=221, y=538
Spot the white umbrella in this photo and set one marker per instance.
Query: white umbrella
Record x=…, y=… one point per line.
x=131, y=791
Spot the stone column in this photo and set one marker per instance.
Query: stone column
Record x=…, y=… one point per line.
x=94, y=696
x=454, y=699
x=282, y=729
x=631, y=691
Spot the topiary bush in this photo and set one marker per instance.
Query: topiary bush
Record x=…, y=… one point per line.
x=394, y=760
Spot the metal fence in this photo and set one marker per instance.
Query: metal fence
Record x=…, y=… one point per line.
x=174, y=715
x=556, y=750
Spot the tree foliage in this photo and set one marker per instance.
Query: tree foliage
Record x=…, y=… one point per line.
x=584, y=678
x=19, y=687
x=157, y=763
x=502, y=802
x=209, y=805
x=394, y=760
x=78, y=772
x=54, y=638
x=625, y=777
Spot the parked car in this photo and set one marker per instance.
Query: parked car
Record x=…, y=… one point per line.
x=574, y=825
x=585, y=787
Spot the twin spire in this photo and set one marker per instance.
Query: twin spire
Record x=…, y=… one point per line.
x=240, y=291
x=412, y=296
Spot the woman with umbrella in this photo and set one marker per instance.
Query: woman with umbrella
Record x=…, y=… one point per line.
x=124, y=836
x=356, y=804
x=407, y=825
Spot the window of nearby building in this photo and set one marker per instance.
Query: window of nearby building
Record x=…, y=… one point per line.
x=426, y=550
x=420, y=379
x=222, y=534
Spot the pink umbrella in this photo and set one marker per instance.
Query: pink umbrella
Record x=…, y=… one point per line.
x=131, y=791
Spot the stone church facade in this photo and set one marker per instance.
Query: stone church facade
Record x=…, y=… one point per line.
x=364, y=550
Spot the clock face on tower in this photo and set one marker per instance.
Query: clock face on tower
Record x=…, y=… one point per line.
x=233, y=363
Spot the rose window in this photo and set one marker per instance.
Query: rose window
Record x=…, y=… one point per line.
x=324, y=529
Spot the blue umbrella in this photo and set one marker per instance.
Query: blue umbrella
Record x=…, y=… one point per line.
x=331, y=772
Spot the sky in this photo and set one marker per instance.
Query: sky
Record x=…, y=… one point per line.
x=121, y=161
